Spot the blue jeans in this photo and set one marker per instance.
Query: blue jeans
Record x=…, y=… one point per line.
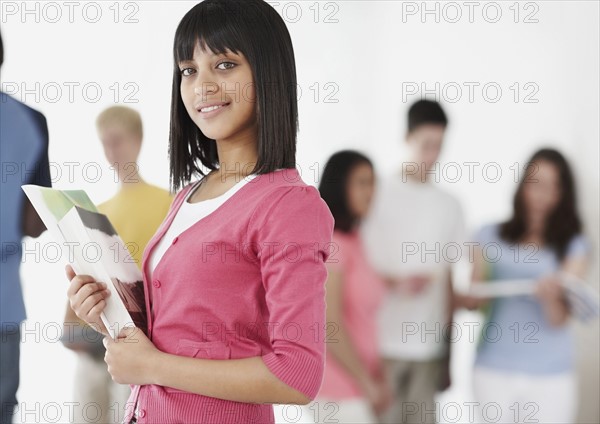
x=10, y=344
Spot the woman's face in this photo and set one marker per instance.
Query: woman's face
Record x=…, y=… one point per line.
x=218, y=94
x=541, y=189
x=361, y=184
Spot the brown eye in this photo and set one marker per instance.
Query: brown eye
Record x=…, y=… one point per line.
x=185, y=72
x=229, y=65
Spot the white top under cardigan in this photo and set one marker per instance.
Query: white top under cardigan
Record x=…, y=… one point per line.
x=188, y=215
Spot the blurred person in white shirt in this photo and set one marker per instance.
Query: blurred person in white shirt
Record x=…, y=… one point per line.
x=413, y=233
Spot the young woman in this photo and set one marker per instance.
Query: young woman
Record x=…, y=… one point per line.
x=354, y=387
x=235, y=276
x=524, y=368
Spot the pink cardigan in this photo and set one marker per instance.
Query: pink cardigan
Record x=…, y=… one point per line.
x=247, y=280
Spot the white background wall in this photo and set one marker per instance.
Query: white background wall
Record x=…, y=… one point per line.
x=363, y=56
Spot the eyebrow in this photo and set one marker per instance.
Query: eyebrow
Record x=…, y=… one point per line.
x=212, y=55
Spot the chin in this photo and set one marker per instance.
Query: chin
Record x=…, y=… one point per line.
x=214, y=133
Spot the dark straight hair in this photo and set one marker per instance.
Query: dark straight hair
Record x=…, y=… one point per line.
x=424, y=112
x=563, y=222
x=334, y=186
x=1, y=51
x=255, y=29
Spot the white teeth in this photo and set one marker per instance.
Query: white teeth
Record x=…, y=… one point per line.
x=209, y=109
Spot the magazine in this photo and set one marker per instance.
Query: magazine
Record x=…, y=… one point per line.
x=502, y=288
x=583, y=299
x=93, y=247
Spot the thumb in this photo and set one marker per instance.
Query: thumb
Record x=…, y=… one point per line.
x=127, y=332
x=69, y=271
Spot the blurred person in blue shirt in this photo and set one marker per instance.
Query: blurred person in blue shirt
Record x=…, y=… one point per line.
x=525, y=361
x=24, y=160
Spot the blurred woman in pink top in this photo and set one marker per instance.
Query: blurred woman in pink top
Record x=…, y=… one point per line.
x=354, y=389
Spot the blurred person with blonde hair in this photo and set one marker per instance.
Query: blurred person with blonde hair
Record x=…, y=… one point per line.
x=135, y=211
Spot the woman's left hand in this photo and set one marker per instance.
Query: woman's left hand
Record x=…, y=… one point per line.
x=131, y=358
x=552, y=295
x=549, y=290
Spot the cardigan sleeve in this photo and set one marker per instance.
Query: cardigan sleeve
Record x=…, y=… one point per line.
x=293, y=233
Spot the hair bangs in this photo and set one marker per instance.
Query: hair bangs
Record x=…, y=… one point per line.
x=213, y=26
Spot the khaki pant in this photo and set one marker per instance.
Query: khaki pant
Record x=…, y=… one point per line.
x=98, y=399
x=414, y=384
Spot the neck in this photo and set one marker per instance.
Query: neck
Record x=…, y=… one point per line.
x=535, y=226
x=418, y=176
x=236, y=159
x=129, y=179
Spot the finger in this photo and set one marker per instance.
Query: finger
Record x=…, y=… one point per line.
x=70, y=272
x=93, y=307
x=77, y=282
x=135, y=334
x=541, y=291
x=88, y=289
x=96, y=311
x=546, y=278
x=126, y=332
x=91, y=288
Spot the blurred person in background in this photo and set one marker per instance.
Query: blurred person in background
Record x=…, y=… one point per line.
x=136, y=211
x=354, y=388
x=526, y=361
x=412, y=222
x=24, y=157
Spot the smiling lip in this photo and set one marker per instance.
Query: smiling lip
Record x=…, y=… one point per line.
x=209, y=110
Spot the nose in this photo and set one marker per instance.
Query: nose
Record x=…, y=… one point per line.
x=205, y=89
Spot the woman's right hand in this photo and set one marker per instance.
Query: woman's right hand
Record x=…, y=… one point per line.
x=410, y=285
x=467, y=301
x=378, y=394
x=87, y=298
